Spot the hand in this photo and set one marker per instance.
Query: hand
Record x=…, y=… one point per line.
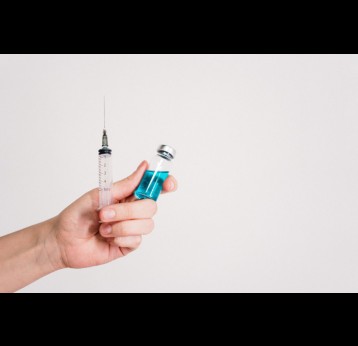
x=79, y=239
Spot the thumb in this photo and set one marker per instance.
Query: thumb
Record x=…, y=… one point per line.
x=124, y=188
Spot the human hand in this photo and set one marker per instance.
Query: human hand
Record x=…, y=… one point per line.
x=79, y=239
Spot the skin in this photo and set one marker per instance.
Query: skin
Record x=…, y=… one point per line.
x=80, y=236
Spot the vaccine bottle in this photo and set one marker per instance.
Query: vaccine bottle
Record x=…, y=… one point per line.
x=152, y=182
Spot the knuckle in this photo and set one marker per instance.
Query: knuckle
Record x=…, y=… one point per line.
x=153, y=207
x=129, y=179
x=124, y=229
x=117, y=228
x=150, y=225
x=117, y=241
x=126, y=211
x=137, y=241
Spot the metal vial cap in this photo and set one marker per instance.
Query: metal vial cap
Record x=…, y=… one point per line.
x=166, y=151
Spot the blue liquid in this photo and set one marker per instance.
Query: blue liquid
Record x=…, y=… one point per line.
x=151, y=185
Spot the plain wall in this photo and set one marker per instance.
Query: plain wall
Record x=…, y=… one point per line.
x=267, y=165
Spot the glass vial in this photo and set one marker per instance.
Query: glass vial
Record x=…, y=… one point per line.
x=152, y=182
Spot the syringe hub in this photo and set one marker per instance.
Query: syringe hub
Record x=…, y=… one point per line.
x=104, y=139
x=104, y=149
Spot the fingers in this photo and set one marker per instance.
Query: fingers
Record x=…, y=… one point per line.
x=124, y=188
x=141, y=209
x=170, y=184
x=125, y=223
x=131, y=242
x=127, y=228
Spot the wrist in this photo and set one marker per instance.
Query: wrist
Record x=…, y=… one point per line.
x=28, y=255
x=51, y=250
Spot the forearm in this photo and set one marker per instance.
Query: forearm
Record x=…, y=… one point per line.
x=26, y=256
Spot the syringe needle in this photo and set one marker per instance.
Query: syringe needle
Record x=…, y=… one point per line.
x=104, y=111
x=104, y=136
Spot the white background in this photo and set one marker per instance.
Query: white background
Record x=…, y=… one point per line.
x=267, y=165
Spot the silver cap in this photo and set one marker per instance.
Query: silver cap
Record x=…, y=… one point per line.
x=167, y=151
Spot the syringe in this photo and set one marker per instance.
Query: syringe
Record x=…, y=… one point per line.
x=105, y=169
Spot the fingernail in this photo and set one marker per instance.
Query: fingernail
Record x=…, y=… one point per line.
x=171, y=186
x=108, y=214
x=107, y=229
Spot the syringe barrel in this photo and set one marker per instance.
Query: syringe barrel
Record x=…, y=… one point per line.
x=105, y=180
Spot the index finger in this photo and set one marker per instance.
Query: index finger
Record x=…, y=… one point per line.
x=124, y=188
x=170, y=184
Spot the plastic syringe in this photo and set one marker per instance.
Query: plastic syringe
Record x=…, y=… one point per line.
x=105, y=171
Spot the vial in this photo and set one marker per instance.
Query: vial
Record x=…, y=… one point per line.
x=152, y=182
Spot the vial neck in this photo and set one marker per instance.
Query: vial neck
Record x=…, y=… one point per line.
x=165, y=156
